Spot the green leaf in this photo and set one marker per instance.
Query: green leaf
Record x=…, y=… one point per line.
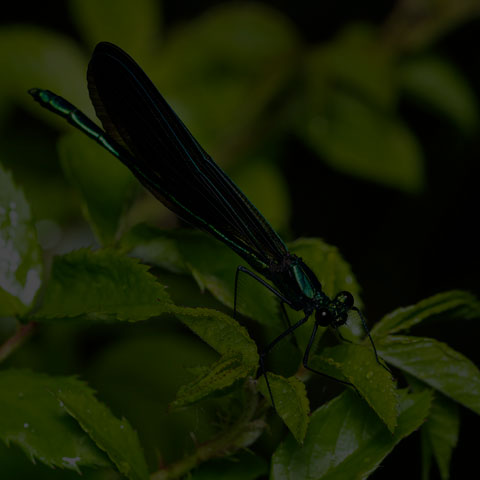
x=34, y=57
x=442, y=429
x=222, y=374
x=436, y=83
x=346, y=439
x=115, y=437
x=104, y=183
x=242, y=467
x=360, y=140
x=32, y=418
x=212, y=265
x=356, y=61
x=357, y=364
x=133, y=26
x=436, y=364
x=99, y=285
x=220, y=331
x=454, y=304
x=21, y=266
x=244, y=56
x=267, y=189
x=291, y=402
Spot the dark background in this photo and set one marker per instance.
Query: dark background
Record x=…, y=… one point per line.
x=403, y=247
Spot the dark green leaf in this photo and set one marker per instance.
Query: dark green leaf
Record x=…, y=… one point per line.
x=101, y=284
x=442, y=429
x=358, y=139
x=437, y=83
x=356, y=61
x=245, y=466
x=357, y=364
x=32, y=418
x=291, y=402
x=346, y=439
x=21, y=266
x=133, y=26
x=87, y=166
x=455, y=304
x=436, y=364
x=115, y=437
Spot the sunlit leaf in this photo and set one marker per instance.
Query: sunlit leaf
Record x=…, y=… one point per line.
x=21, y=265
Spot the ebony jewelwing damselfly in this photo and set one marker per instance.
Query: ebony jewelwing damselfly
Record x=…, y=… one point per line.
x=144, y=133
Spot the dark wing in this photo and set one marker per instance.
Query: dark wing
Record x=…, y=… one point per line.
x=171, y=163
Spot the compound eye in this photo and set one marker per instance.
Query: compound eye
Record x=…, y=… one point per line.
x=323, y=317
x=344, y=298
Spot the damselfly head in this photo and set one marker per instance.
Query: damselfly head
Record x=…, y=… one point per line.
x=344, y=299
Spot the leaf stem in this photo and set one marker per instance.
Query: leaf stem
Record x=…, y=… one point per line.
x=9, y=346
x=227, y=442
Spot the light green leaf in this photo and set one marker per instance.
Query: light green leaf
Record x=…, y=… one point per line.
x=132, y=26
x=291, y=402
x=104, y=183
x=360, y=140
x=455, y=304
x=115, y=437
x=267, y=189
x=357, y=365
x=220, y=331
x=32, y=418
x=346, y=439
x=436, y=83
x=436, y=364
x=99, y=285
x=222, y=374
x=21, y=265
x=34, y=57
